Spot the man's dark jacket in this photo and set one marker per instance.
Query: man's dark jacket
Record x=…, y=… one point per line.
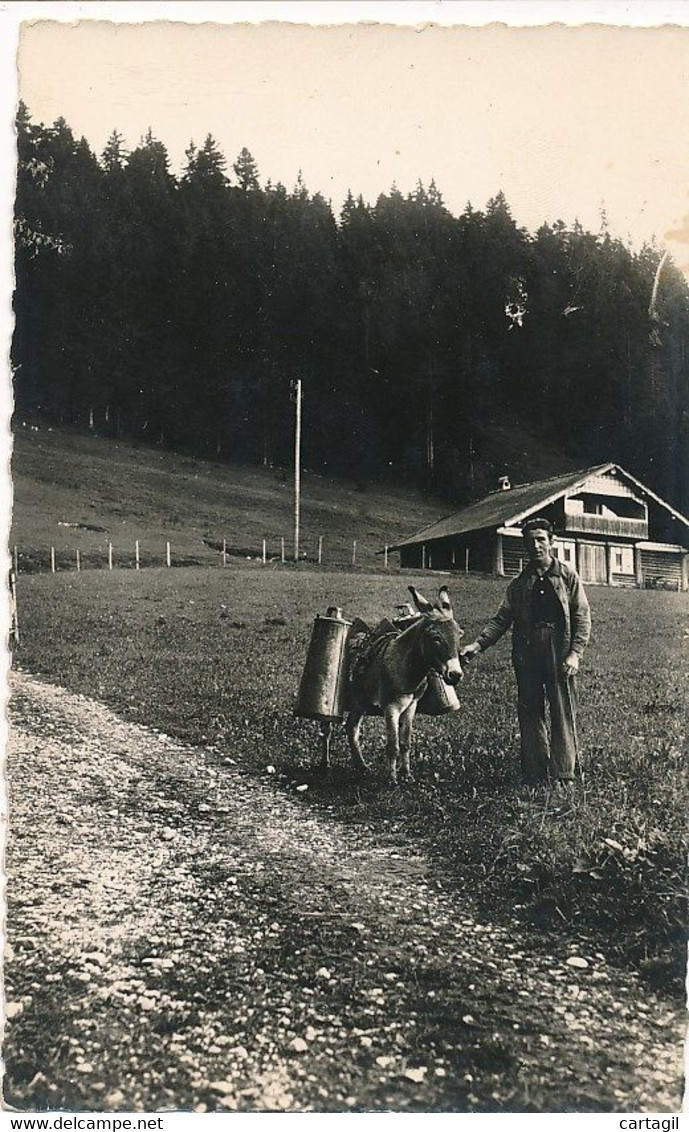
x=515, y=610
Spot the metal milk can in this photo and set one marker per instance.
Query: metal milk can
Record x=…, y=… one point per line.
x=439, y=697
x=405, y=615
x=323, y=689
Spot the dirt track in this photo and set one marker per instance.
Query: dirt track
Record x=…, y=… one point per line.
x=185, y=936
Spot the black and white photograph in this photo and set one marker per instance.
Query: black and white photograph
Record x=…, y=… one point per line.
x=346, y=550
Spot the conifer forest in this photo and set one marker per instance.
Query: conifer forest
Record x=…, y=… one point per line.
x=180, y=309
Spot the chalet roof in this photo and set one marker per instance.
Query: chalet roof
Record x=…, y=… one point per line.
x=507, y=508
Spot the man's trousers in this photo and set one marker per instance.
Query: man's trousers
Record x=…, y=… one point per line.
x=539, y=678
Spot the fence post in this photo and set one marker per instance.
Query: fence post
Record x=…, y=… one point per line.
x=466, y=560
x=109, y=556
x=167, y=554
x=136, y=552
x=282, y=550
x=52, y=559
x=423, y=557
x=320, y=549
x=354, y=553
x=78, y=561
x=224, y=552
x=386, y=554
x=263, y=552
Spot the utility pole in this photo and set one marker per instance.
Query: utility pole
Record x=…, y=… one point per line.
x=296, y=386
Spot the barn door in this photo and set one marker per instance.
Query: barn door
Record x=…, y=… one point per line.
x=622, y=565
x=592, y=564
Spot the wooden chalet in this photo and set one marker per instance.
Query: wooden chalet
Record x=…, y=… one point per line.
x=608, y=525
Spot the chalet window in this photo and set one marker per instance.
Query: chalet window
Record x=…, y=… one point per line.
x=622, y=559
x=564, y=551
x=591, y=507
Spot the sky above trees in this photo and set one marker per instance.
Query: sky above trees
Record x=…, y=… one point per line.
x=571, y=123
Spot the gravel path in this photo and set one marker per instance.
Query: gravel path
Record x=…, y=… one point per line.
x=182, y=935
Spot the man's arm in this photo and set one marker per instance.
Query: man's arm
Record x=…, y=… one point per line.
x=580, y=614
x=494, y=630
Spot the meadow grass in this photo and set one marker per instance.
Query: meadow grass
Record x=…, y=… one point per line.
x=215, y=656
x=80, y=492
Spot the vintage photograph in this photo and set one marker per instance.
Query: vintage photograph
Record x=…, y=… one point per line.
x=348, y=567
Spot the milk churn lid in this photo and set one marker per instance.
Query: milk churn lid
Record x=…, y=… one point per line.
x=334, y=611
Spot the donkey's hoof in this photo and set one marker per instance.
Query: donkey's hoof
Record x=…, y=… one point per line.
x=407, y=777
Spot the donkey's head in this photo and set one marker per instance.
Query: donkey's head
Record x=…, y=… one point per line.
x=441, y=635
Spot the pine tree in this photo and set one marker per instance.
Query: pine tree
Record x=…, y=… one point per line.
x=246, y=171
x=190, y=167
x=114, y=155
x=209, y=165
x=435, y=197
x=300, y=191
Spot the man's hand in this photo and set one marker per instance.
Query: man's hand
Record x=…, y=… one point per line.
x=570, y=665
x=470, y=651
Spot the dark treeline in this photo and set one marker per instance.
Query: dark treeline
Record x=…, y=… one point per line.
x=435, y=349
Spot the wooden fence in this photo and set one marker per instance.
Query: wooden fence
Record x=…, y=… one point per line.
x=318, y=551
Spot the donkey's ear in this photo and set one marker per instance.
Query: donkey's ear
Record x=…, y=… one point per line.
x=421, y=603
x=444, y=604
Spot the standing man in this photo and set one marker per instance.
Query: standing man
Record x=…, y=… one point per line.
x=548, y=609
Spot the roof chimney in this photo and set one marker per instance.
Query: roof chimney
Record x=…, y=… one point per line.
x=504, y=483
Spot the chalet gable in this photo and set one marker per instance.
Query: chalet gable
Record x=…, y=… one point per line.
x=605, y=499
x=609, y=526
x=608, y=501
x=606, y=491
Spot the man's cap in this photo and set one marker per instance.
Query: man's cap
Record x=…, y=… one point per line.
x=538, y=523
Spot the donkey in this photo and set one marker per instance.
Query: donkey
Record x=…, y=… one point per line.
x=395, y=678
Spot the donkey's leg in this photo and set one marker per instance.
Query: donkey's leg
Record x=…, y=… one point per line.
x=392, y=749
x=353, y=728
x=406, y=724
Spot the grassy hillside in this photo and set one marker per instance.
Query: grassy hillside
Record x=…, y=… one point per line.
x=79, y=492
